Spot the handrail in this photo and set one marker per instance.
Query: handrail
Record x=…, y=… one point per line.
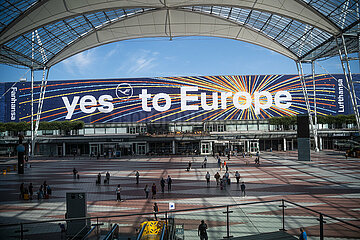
x=137, y=214
x=89, y=232
x=163, y=232
x=74, y=237
x=141, y=232
x=111, y=231
x=175, y=211
x=311, y=210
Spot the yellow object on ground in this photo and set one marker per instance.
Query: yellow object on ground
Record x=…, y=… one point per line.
x=152, y=230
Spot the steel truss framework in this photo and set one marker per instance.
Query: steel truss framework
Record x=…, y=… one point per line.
x=40, y=33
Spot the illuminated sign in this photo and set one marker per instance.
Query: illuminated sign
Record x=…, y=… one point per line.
x=205, y=98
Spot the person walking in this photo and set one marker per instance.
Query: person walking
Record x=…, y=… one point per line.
x=237, y=176
x=303, y=235
x=45, y=188
x=137, y=175
x=31, y=190
x=156, y=210
x=202, y=230
x=40, y=193
x=217, y=178
x=107, y=177
x=153, y=190
x=189, y=165
x=22, y=191
x=146, y=190
x=169, y=182
x=162, y=184
x=205, y=162
x=75, y=172
x=98, y=179
x=207, y=176
x=242, y=187
x=118, y=193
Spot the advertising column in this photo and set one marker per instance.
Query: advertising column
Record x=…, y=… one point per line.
x=303, y=137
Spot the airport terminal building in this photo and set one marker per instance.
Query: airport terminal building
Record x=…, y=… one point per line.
x=177, y=115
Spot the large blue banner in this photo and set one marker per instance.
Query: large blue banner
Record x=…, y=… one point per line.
x=205, y=98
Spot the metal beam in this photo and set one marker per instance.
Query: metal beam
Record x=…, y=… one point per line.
x=348, y=77
x=305, y=92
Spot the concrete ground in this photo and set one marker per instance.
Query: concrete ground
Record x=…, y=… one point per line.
x=329, y=184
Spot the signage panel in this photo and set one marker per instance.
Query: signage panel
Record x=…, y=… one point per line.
x=204, y=98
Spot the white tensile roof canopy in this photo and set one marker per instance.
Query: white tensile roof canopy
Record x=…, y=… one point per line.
x=41, y=33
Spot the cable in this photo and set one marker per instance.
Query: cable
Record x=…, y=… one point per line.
x=14, y=84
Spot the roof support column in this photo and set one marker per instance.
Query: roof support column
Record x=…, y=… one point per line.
x=304, y=90
x=344, y=59
x=32, y=97
x=32, y=113
x=315, y=112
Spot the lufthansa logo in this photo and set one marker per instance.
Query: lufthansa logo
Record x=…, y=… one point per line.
x=124, y=90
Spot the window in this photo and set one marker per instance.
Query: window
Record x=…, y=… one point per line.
x=205, y=147
x=132, y=130
x=220, y=128
x=142, y=129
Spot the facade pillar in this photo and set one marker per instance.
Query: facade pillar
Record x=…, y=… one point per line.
x=173, y=147
x=320, y=143
x=64, y=150
x=284, y=144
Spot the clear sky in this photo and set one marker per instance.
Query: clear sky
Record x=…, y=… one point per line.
x=157, y=57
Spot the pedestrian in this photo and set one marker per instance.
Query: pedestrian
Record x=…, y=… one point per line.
x=162, y=184
x=118, y=193
x=48, y=190
x=202, y=231
x=169, y=182
x=303, y=235
x=227, y=167
x=153, y=191
x=98, y=181
x=227, y=176
x=107, y=177
x=225, y=164
x=189, y=165
x=40, y=192
x=217, y=178
x=62, y=231
x=75, y=172
x=45, y=188
x=205, y=162
x=31, y=190
x=207, y=176
x=242, y=187
x=228, y=156
x=22, y=191
x=219, y=162
x=237, y=176
x=146, y=190
x=137, y=175
x=156, y=210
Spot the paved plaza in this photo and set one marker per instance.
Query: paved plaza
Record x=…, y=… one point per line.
x=330, y=184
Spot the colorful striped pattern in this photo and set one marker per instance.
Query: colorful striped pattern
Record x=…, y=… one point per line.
x=129, y=109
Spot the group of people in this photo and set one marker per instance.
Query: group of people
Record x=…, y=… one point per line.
x=146, y=188
x=106, y=180
x=154, y=188
x=26, y=193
